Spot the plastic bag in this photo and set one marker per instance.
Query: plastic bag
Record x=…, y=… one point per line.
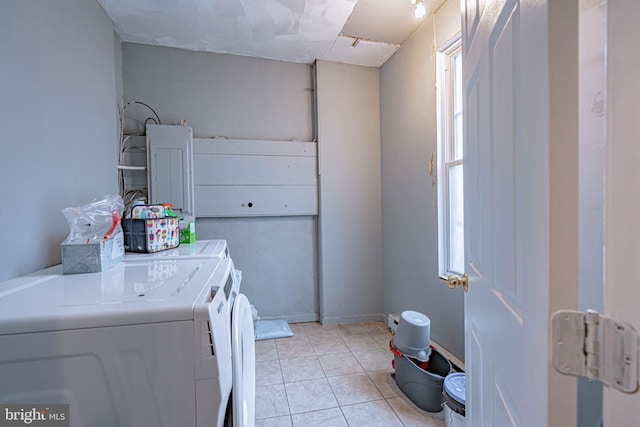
x=96, y=221
x=254, y=312
x=269, y=329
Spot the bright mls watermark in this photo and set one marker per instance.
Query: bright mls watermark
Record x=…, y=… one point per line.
x=34, y=415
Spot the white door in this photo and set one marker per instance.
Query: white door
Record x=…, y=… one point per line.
x=622, y=193
x=521, y=200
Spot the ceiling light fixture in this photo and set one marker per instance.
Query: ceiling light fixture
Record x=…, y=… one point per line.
x=421, y=10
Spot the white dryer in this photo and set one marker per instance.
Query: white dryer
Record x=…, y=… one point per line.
x=244, y=363
x=145, y=343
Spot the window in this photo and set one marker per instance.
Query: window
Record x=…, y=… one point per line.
x=450, y=164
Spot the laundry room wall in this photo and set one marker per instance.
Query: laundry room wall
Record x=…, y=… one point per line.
x=58, y=121
x=409, y=196
x=241, y=98
x=350, y=194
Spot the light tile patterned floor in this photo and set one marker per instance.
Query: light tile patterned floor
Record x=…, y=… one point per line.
x=332, y=376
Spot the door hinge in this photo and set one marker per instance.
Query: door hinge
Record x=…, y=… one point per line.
x=590, y=345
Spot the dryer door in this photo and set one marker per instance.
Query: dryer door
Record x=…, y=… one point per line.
x=244, y=363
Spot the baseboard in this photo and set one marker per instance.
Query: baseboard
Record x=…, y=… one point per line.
x=295, y=318
x=341, y=320
x=458, y=364
x=392, y=321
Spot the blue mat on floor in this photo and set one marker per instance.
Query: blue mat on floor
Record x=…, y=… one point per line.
x=268, y=329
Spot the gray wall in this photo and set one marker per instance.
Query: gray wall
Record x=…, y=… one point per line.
x=350, y=193
x=277, y=257
x=117, y=45
x=221, y=95
x=244, y=98
x=409, y=199
x=58, y=120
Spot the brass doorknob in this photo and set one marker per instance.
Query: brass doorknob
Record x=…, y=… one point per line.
x=457, y=281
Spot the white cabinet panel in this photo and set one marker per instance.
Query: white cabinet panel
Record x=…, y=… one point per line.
x=225, y=169
x=254, y=146
x=255, y=200
x=255, y=178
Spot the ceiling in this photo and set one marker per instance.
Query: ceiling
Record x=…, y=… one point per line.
x=361, y=32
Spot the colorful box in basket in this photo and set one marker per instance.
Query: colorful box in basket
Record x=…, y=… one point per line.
x=148, y=211
x=151, y=235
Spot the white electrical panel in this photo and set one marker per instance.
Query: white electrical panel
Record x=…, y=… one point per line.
x=170, y=166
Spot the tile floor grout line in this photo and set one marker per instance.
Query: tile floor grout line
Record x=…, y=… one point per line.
x=284, y=385
x=395, y=412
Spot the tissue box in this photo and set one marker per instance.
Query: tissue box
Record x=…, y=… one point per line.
x=94, y=256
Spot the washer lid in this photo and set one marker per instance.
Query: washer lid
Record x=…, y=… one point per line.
x=454, y=385
x=129, y=293
x=197, y=250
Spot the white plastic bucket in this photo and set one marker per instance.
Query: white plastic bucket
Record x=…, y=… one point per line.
x=454, y=400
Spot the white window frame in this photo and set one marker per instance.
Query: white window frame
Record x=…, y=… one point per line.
x=446, y=151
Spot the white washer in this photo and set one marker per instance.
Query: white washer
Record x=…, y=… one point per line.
x=145, y=343
x=199, y=249
x=243, y=357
